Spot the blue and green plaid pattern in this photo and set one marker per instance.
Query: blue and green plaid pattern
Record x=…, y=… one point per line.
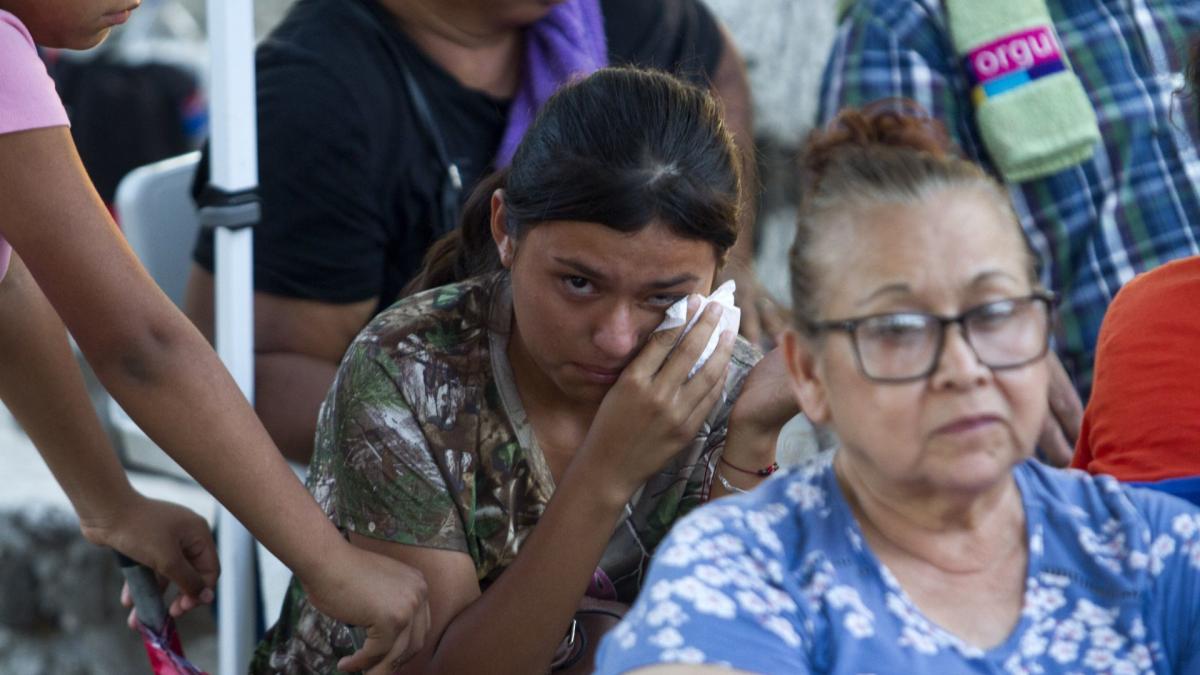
x=1132, y=207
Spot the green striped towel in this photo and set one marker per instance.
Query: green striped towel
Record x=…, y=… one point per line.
x=1032, y=112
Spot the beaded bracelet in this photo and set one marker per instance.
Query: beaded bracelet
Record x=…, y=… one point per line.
x=727, y=485
x=760, y=472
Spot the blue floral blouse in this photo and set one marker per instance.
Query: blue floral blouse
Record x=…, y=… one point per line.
x=781, y=581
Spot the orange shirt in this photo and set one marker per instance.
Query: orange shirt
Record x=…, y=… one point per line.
x=1142, y=422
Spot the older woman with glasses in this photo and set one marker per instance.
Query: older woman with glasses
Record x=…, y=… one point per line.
x=930, y=542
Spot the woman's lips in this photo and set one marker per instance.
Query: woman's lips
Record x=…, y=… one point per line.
x=599, y=375
x=968, y=424
x=117, y=18
x=120, y=16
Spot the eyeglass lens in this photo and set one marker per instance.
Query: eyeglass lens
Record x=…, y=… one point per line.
x=1003, y=334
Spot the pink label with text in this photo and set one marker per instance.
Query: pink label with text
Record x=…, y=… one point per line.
x=1012, y=53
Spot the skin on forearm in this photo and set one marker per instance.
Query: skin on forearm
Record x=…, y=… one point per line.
x=288, y=391
x=145, y=352
x=182, y=397
x=180, y=394
x=518, y=623
x=42, y=386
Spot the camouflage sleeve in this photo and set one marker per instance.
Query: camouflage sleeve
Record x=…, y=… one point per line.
x=381, y=479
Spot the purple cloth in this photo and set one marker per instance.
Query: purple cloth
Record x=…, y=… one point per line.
x=565, y=44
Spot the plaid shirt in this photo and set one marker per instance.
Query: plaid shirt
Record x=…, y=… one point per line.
x=1132, y=207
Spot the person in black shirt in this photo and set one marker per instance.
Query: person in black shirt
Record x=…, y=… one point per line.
x=352, y=184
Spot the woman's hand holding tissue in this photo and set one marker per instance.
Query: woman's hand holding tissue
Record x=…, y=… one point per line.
x=655, y=408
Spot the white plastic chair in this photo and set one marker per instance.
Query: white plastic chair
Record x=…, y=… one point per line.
x=155, y=206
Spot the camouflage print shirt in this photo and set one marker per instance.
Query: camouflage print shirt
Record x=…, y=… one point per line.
x=422, y=440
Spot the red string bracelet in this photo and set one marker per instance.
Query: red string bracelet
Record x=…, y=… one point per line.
x=760, y=472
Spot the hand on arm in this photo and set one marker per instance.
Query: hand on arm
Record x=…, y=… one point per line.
x=164, y=374
x=389, y=600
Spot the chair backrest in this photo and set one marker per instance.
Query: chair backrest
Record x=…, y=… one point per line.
x=154, y=205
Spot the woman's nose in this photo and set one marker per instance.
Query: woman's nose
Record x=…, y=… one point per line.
x=958, y=363
x=617, y=334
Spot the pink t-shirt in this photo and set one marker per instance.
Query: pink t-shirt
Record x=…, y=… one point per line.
x=28, y=99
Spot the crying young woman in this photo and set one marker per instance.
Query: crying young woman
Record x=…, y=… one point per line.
x=519, y=431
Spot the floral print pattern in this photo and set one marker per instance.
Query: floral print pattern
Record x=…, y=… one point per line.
x=782, y=581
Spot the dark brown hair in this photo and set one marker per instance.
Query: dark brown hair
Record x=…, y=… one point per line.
x=887, y=152
x=622, y=147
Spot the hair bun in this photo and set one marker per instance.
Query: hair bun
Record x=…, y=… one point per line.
x=895, y=124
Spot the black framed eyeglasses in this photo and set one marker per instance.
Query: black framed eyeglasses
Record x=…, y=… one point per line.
x=906, y=346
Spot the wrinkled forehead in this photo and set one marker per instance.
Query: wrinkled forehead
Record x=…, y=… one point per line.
x=939, y=244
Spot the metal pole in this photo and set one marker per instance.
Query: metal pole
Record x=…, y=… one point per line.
x=234, y=169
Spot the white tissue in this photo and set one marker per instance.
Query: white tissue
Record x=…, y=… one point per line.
x=730, y=319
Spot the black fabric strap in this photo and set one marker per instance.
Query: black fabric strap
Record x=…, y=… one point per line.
x=235, y=210
x=451, y=186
